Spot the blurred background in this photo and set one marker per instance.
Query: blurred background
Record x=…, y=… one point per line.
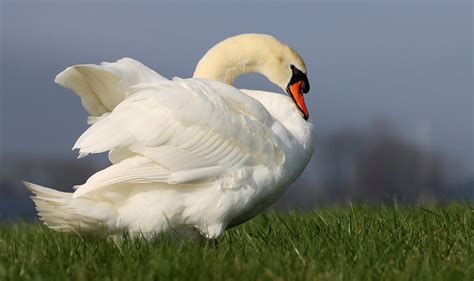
x=391, y=89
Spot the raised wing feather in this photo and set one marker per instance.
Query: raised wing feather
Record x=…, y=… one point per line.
x=195, y=129
x=102, y=87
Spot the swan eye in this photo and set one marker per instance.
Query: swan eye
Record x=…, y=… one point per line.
x=292, y=67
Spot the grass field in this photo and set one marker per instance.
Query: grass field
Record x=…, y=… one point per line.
x=359, y=243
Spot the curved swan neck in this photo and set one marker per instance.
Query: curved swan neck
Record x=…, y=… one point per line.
x=238, y=55
x=226, y=70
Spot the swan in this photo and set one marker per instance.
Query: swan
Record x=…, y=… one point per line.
x=189, y=157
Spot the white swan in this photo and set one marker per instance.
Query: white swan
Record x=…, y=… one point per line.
x=187, y=154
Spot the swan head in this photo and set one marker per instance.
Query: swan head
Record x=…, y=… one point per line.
x=260, y=53
x=287, y=70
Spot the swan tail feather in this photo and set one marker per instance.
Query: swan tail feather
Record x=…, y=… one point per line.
x=61, y=212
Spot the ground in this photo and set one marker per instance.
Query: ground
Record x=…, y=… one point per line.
x=350, y=243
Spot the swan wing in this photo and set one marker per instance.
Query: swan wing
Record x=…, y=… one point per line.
x=179, y=132
x=102, y=87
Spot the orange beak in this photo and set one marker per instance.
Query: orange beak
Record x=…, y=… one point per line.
x=296, y=93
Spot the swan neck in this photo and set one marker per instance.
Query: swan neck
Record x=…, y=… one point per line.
x=225, y=62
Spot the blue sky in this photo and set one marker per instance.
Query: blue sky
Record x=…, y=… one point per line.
x=407, y=61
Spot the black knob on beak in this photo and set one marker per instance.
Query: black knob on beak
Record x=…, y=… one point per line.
x=298, y=75
x=305, y=85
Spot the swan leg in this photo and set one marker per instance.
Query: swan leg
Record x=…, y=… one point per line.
x=212, y=232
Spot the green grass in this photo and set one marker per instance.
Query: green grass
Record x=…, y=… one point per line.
x=360, y=243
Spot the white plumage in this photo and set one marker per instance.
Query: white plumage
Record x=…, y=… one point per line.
x=188, y=155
